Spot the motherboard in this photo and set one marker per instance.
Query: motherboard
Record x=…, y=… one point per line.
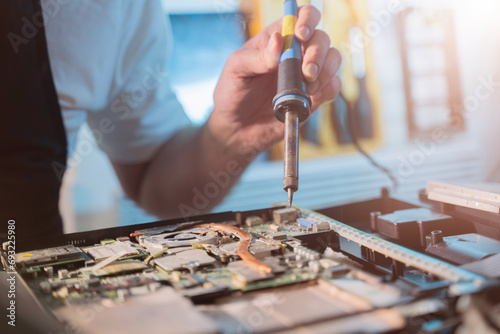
x=274, y=270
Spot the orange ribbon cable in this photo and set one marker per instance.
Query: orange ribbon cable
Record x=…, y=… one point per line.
x=242, y=251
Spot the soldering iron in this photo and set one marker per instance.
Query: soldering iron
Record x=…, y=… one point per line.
x=291, y=103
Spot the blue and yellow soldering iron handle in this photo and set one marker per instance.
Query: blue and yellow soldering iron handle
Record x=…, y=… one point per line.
x=291, y=85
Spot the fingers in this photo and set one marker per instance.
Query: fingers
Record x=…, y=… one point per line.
x=320, y=62
x=261, y=40
x=329, y=92
x=307, y=21
x=315, y=52
x=261, y=53
x=331, y=65
x=249, y=62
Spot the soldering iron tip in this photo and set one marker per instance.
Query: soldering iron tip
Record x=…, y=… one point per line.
x=290, y=197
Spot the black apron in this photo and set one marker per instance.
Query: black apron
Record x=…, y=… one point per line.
x=33, y=145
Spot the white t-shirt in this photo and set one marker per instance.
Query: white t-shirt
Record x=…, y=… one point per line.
x=109, y=63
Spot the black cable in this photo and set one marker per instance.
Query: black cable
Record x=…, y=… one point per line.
x=351, y=127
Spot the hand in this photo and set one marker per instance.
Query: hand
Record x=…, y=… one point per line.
x=243, y=120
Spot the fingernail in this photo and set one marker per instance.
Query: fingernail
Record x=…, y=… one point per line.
x=272, y=43
x=304, y=33
x=311, y=71
x=313, y=87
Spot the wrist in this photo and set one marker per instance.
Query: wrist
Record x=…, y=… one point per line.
x=221, y=143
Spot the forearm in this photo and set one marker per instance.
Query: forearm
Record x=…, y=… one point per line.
x=191, y=174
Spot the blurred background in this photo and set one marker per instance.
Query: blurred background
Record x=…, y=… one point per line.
x=421, y=90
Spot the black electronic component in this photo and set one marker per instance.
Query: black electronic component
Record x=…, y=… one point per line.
x=337, y=271
x=411, y=226
x=319, y=241
x=199, y=295
x=277, y=236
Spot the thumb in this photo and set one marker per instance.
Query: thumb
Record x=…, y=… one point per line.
x=249, y=62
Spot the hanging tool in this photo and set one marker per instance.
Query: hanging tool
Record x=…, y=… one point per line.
x=358, y=108
x=292, y=103
x=361, y=104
